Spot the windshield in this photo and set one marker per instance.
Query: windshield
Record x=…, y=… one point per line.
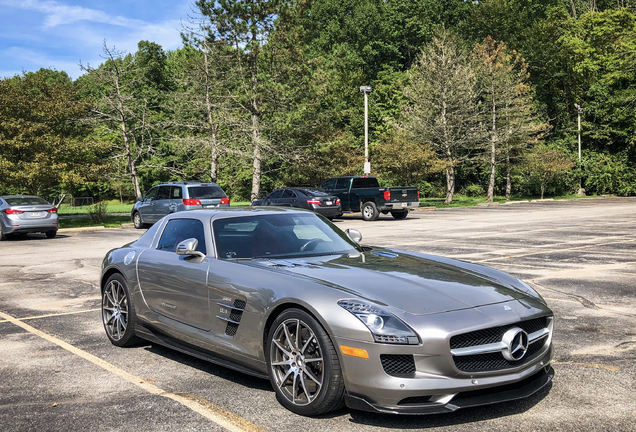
x=206, y=192
x=20, y=201
x=287, y=235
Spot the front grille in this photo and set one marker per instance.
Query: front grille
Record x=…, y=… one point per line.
x=402, y=366
x=494, y=334
x=495, y=361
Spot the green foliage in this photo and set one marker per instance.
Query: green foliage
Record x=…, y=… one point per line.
x=42, y=143
x=609, y=174
x=473, y=190
x=97, y=213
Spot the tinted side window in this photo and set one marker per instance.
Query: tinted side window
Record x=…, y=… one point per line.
x=178, y=230
x=343, y=183
x=276, y=194
x=328, y=184
x=164, y=192
x=289, y=194
x=176, y=192
x=365, y=182
x=152, y=194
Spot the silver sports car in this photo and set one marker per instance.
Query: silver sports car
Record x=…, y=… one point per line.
x=283, y=294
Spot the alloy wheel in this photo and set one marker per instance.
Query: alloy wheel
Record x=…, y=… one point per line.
x=297, y=362
x=115, y=310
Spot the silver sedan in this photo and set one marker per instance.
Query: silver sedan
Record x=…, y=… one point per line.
x=22, y=214
x=285, y=295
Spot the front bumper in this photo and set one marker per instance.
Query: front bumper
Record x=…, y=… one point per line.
x=518, y=390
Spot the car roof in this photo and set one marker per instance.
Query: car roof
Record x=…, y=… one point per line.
x=227, y=212
x=19, y=196
x=187, y=183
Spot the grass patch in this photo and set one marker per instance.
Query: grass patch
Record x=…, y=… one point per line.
x=239, y=203
x=464, y=201
x=110, y=222
x=112, y=208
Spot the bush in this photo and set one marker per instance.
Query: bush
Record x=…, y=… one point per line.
x=474, y=190
x=97, y=212
x=609, y=174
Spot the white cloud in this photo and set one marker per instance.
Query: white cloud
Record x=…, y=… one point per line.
x=58, y=13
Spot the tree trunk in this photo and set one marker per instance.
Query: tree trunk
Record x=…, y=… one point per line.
x=450, y=184
x=214, y=150
x=542, y=187
x=256, y=167
x=124, y=135
x=493, y=149
x=508, y=178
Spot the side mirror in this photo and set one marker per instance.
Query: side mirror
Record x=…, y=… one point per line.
x=354, y=234
x=189, y=247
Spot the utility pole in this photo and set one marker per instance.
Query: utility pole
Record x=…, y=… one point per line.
x=580, y=111
x=366, y=90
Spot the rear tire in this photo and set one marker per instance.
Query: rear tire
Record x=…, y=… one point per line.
x=3, y=236
x=399, y=215
x=137, y=220
x=118, y=312
x=51, y=234
x=370, y=211
x=303, y=365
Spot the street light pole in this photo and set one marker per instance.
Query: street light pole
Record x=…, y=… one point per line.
x=579, y=109
x=366, y=90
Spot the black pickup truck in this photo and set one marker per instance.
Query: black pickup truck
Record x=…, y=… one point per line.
x=364, y=194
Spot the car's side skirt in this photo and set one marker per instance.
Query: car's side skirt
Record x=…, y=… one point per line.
x=161, y=339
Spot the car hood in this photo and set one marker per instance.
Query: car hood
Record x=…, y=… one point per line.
x=411, y=284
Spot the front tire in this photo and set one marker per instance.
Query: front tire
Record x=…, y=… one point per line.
x=137, y=220
x=370, y=211
x=118, y=312
x=303, y=365
x=399, y=215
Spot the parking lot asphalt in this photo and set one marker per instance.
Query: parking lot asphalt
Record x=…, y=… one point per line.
x=59, y=372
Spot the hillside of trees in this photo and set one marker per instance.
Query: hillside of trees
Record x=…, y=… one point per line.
x=472, y=98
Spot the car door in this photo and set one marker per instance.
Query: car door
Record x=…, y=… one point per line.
x=289, y=198
x=274, y=198
x=176, y=285
x=341, y=190
x=162, y=204
x=146, y=207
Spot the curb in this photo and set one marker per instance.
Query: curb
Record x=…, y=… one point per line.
x=92, y=228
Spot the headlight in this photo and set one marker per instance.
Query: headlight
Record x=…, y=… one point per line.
x=385, y=327
x=531, y=292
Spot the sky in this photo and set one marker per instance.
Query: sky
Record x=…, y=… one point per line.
x=38, y=34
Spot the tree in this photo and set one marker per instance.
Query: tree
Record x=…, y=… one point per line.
x=243, y=26
x=545, y=164
x=124, y=102
x=443, y=110
x=42, y=142
x=509, y=112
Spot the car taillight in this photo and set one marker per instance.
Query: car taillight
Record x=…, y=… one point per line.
x=52, y=210
x=11, y=211
x=191, y=201
x=418, y=194
x=338, y=201
x=315, y=202
x=387, y=195
x=225, y=200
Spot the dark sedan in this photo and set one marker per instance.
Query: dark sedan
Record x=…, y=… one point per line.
x=318, y=201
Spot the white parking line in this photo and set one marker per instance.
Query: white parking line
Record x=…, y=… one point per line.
x=53, y=315
x=216, y=414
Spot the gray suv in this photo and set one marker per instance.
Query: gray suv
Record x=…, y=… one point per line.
x=172, y=197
